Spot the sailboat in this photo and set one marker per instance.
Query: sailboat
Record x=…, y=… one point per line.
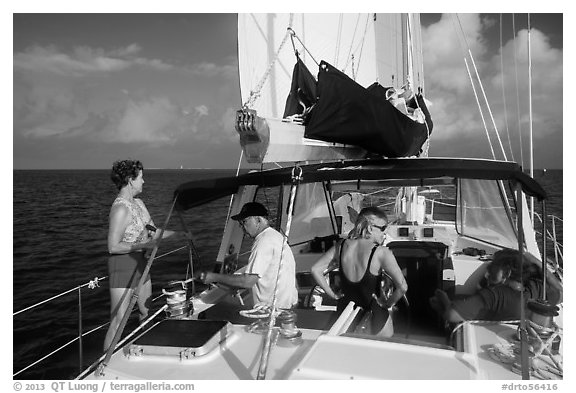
x=331, y=158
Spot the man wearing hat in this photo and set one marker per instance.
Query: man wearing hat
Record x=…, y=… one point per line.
x=269, y=250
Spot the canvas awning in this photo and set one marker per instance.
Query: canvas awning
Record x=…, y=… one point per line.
x=198, y=192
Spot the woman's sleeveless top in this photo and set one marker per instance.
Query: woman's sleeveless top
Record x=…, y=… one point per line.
x=136, y=231
x=360, y=292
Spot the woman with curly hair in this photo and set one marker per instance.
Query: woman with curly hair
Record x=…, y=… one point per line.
x=131, y=233
x=362, y=260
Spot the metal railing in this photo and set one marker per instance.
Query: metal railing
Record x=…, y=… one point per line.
x=552, y=236
x=92, y=284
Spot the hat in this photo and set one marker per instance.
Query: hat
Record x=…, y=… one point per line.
x=251, y=209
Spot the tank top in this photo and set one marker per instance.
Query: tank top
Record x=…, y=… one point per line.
x=360, y=292
x=136, y=231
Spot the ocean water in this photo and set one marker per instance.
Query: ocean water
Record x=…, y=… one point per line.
x=60, y=224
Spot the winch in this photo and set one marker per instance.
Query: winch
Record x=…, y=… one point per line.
x=179, y=306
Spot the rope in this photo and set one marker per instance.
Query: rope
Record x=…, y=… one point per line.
x=62, y=347
x=530, y=115
x=124, y=340
x=255, y=94
x=296, y=178
x=92, y=284
x=232, y=196
x=480, y=109
x=293, y=34
x=361, y=44
x=88, y=284
x=488, y=106
x=338, y=39
x=479, y=322
x=351, y=43
x=517, y=94
x=469, y=54
x=504, y=93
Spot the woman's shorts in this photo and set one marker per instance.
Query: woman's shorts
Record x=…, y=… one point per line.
x=125, y=270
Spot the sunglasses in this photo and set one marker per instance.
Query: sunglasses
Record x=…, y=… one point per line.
x=382, y=228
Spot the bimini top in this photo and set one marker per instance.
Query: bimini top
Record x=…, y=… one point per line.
x=198, y=192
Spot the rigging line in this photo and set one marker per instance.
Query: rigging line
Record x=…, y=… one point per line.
x=57, y=296
x=517, y=93
x=463, y=45
x=266, y=345
x=487, y=105
x=232, y=196
x=338, y=40
x=530, y=116
x=124, y=340
x=255, y=94
x=504, y=92
x=361, y=44
x=410, y=53
x=469, y=52
x=293, y=33
x=480, y=109
x=426, y=148
x=59, y=349
x=421, y=79
x=351, y=44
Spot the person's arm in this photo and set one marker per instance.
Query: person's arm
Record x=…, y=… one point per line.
x=320, y=267
x=155, y=231
x=470, y=308
x=246, y=281
x=390, y=266
x=167, y=233
x=119, y=219
x=445, y=309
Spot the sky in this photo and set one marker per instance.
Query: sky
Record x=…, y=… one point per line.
x=89, y=89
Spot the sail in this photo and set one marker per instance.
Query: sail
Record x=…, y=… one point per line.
x=280, y=58
x=266, y=53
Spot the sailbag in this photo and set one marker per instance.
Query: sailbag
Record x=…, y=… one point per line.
x=290, y=115
x=348, y=113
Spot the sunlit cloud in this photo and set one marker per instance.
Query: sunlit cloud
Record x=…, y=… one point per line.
x=455, y=111
x=206, y=69
x=82, y=61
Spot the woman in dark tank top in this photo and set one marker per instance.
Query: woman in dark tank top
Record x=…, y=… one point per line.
x=361, y=260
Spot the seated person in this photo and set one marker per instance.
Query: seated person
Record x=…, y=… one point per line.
x=500, y=300
x=268, y=251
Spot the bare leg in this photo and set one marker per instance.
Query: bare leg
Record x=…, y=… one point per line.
x=119, y=302
x=145, y=298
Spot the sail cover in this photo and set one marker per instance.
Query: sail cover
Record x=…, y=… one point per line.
x=348, y=113
x=302, y=92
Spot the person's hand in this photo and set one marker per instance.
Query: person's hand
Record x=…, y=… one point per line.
x=201, y=276
x=150, y=244
x=337, y=296
x=442, y=297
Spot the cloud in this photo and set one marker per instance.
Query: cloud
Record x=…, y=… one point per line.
x=210, y=70
x=154, y=120
x=82, y=61
x=455, y=111
x=202, y=110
